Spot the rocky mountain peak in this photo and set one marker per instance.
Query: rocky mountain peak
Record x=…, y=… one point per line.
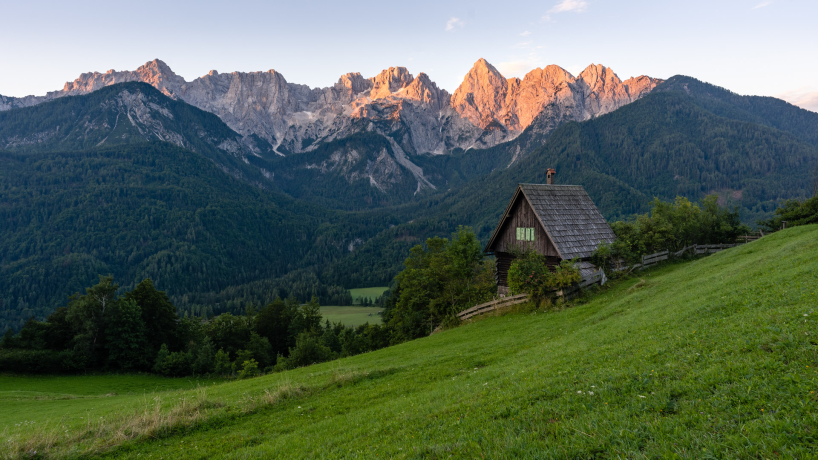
x=353, y=83
x=390, y=81
x=424, y=90
x=482, y=94
x=600, y=78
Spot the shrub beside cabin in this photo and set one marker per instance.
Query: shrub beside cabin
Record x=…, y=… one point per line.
x=560, y=222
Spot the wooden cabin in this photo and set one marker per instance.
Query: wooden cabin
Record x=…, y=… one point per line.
x=558, y=221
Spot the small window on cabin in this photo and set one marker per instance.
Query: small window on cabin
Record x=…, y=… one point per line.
x=525, y=233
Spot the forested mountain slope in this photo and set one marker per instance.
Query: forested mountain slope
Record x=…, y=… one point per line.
x=123, y=114
x=154, y=210
x=768, y=111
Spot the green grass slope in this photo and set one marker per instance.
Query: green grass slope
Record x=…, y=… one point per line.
x=710, y=359
x=351, y=316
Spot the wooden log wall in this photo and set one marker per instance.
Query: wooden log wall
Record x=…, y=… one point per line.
x=522, y=215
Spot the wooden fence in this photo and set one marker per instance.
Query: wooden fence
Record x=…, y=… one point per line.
x=589, y=277
x=653, y=259
x=593, y=277
x=493, y=305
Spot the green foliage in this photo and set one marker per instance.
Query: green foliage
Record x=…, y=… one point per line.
x=87, y=315
x=221, y=363
x=438, y=282
x=672, y=226
x=161, y=358
x=228, y=332
x=273, y=323
x=242, y=356
x=261, y=350
x=158, y=315
x=205, y=357
x=249, y=369
x=176, y=364
x=530, y=273
x=308, y=350
x=794, y=213
x=28, y=361
x=102, y=331
x=126, y=338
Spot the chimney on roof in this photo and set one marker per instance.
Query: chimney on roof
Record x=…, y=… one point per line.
x=550, y=173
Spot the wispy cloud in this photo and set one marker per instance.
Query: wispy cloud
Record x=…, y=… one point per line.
x=804, y=98
x=522, y=44
x=761, y=5
x=453, y=23
x=526, y=33
x=519, y=67
x=577, y=6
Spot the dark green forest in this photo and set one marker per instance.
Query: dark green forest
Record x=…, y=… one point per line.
x=157, y=211
x=140, y=330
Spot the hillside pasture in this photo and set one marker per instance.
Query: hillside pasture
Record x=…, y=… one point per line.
x=351, y=316
x=714, y=358
x=371, y=292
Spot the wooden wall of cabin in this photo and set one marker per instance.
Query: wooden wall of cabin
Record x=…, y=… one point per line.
x=521, y=215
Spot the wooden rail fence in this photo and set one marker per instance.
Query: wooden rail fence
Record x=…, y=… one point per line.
x=493, y=305
x=598, y=276
x=653, y=259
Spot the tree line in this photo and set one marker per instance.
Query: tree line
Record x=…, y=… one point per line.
x=141, y=331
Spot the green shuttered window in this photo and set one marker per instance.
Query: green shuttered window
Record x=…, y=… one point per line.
x=525, y=234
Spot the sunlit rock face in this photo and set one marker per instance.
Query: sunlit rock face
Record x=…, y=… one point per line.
x=487, y=99
x=486, y=109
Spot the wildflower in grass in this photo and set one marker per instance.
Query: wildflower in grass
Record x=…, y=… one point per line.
x=591, y=393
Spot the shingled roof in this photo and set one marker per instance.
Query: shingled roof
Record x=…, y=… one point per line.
x=568, y=215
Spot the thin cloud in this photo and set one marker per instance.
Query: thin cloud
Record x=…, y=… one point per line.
x=522, y=44
x=577, y=6
x=525, y=33
x=452, y=23
x=761, y=5
x=806, y=99
x=519, y=67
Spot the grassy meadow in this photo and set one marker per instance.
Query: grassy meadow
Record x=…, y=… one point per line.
x=352, y=316
x=714, y=358
x=371, y=292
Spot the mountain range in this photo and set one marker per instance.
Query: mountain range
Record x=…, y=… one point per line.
x=412, y=113
x=130, y=178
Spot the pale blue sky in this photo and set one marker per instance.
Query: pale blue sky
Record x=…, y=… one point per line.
x=763, y=47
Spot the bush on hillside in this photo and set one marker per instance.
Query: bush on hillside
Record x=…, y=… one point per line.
x=41, y=361
x=308, y=350
x=672, y=226
x=530, y=274
x=794, y=213
x=440, y=280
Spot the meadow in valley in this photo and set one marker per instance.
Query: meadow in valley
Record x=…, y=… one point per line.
x=711, y=358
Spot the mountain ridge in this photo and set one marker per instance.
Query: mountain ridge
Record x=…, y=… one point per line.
x=413, y=111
